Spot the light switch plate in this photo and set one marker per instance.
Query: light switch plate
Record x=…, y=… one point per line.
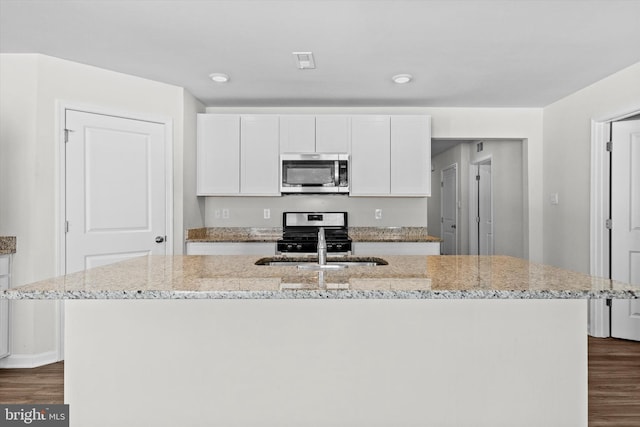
x=378, y=214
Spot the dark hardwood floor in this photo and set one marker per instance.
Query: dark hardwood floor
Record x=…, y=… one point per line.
x=614, y=383
x=44, y=384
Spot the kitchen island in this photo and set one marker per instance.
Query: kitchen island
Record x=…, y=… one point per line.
x=424, y=340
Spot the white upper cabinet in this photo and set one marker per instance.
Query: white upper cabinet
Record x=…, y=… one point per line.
x=218, y=158
x=411, y=155
x=259, y=155
x=391, y=156
x=237, y=155
x=297, y=134
x=333, y=134
x=314, y=134
x=370, y=151
x=240, y=154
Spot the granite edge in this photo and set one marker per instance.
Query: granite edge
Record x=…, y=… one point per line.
x=320, y=294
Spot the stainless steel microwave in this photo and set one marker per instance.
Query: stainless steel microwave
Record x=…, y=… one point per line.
x=314, y=173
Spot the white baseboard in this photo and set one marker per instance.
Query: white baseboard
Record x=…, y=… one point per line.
x=29, y=360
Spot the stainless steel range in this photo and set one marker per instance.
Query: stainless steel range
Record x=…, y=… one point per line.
x=300, y=233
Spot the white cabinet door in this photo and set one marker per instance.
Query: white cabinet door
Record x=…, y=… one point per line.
x=5, y=266
x=333, y=134
x=218, y=167
x=297, y=134
x=411, y=155
x=259, y=155
x=370, y=152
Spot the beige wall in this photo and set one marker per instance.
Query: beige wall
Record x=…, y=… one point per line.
x=193, y=207
x=31, y=90
x=566, y=163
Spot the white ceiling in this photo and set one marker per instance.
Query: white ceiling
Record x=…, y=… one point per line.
x=462, y=53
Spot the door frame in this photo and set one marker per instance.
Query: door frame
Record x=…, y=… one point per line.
x=453, y=166
x=62, y=107
x=599, y=311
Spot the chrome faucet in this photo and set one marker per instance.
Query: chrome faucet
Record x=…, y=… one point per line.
x=322, y=247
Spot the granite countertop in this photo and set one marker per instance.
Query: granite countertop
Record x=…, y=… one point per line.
x=272, y=234
x=234, y=234
x=391, y=234
x=7, y=245
x=405, y=277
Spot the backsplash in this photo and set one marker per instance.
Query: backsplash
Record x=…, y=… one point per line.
x=250, y=211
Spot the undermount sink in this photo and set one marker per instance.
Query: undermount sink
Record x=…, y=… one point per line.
x=311, y=263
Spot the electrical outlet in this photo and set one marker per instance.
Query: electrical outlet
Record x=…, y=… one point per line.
x=216, y=213
x=225, y=213
x=266, y=213
x=378, y=213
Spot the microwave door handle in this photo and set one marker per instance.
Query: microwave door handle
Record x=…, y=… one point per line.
x=336, y=174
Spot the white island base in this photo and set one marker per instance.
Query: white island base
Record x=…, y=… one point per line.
x=366, y=362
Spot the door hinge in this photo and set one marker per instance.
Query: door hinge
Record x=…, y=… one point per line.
x=66, y=226
x=477, y=177
x=610, y=146
x=441, y=183
x=66, y=134
x=441, y=219
x=608, y=223
x=478, y=219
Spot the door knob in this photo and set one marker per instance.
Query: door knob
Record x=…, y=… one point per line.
x=159, y=239
x=453, y=226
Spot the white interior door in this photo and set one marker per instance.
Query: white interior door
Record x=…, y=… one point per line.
x=625, y=232
x=449, y=211
x=485, y=209
x=115, y=189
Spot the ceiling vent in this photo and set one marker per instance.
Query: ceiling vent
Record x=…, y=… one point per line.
x=305, y=60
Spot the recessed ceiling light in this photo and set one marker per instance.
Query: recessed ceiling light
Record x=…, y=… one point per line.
x=219, y=77
x=402, y=78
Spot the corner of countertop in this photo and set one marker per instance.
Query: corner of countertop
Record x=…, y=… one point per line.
x=7, y=245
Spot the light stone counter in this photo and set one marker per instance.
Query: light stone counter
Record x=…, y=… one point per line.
x=391, y=234
x=7, y=245
x=425, y=340
x=405, y=277
x=234, y=234
x=266, y=234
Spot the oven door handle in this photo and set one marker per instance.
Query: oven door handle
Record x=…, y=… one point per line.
x=336, y=174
